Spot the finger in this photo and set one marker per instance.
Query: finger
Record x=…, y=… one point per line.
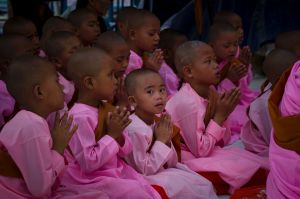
x=69, y=122
x=127, y=123
x=74, y=129
x=57, y=119
x=63, y=120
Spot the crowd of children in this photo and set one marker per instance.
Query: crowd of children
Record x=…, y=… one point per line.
x=143, y=112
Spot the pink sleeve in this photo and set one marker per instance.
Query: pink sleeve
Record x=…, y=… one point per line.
x=135, y=62
x=173, y=159
x=38, y=163
x=200, y=140
x=127, y=147
x=148, y=162
x=91, y=155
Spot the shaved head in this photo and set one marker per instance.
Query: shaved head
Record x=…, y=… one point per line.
x=217, y=29
x=108, y=40
x=289, y=41
x=276, y=62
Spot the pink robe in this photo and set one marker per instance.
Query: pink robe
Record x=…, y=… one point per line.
x=255, y=135
x=283, y=180
x=178, y=181
x=68, y=87
x=99, y=165
x=202, y=152
x=135, y=62
x=7, y=103
x=238, y=117
x=170, y=78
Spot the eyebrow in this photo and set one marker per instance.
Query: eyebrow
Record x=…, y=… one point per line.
x=151, y=86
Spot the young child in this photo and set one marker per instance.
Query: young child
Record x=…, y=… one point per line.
x=200, y=113
x=59, y=48
x=223, y=39
x=53, y=25
x=169, y=41
x=153, y=152
x=113, y=44
x=124, y=16
x=25, y=27
x=37, y=154
x=284, y=106
x=289, y=41
x=86, y=24
x=143, y=39
x=256, y=133
x=95, y=160
x=11, y=46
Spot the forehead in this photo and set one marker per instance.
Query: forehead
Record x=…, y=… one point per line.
x=119, y=48
x=150, y=79
x=204, y=52
x=227, y=36
x=151, y=22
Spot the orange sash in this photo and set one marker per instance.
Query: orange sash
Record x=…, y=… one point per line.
x=8, y=167
x=286, y=129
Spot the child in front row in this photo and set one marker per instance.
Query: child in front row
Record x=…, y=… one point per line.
x=201, y=115
x=95, y=161
x=11, y=46
x=154, y=154
x=223, y=39
x=32, y=156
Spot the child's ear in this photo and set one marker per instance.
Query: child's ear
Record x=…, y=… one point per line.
x=88, y=82
x=187, y=71
x=132, y=100
x=131, y=34
x=38, y=92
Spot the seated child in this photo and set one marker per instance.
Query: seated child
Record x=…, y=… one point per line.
x=143, y=39
x=22, y=26
x=223, y=39
x=53, y=25
x=289, y=41
x=255, y=135
x=95, y=160
x=32, y=156
x=86, y=24
x=284, y=105
x=114, y=45
x=123, y=17
x=169, y=41
x=201, y=113
x=154, y=154
x=59, y=48
x=11, y=46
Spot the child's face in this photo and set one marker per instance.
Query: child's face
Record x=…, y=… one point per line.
x=236, y=22
x=89, y=30
x=53, y=92
x=147, y=36
x=120, y=53
x=204, y=70
x=105, y=82
x=70, y=46
x=31, y=33
x=150, y=95
x=225, y=46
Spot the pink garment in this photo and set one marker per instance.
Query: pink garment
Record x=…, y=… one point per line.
x=99, y=165
x=170, y=78
x=68, y=87
x=177, y=180
x=250, y=73
x=135, y=62
x=283, y=180
x=28, y=141
x=42, y=54
x=7, y=103
x=255, y=135
x=238, y=117
x=202, y=153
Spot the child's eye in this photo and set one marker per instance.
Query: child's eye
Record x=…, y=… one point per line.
x=150, y=91
x=162, y=90
x=151, y=34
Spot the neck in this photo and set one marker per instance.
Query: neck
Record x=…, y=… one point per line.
x=201, y=90
x=147, y=118
x=135, y=49
x=37, y=110
x=87, y=99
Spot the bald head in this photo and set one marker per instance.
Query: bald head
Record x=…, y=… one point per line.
x=24, y=73
x=217, y=29
x=276, y=62
x=78, y=16
x=12, y=46
x=132, y=79
x=139, y=19
x=86, y=62
x=16, y=25
x=108, y=40
x=187, y=53
x=289, y=41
